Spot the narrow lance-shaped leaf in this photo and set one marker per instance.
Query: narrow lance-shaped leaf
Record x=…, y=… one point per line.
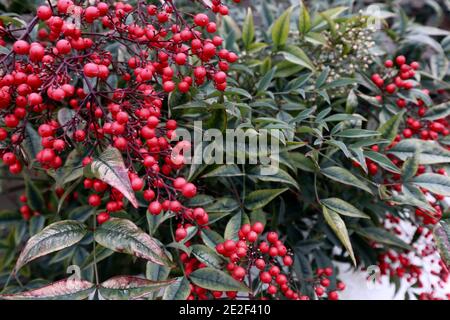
x=156, y=272
x=57, y=236
x=248, y=29
x=382, y=236
x=410, y=166
x=304, y=21
x=207, y=256
x=342, y=207
x=338, y=226
x=389, y=129
x=32, y=143
x=430, y=151
x=441, y=235
x=122, y=235
x=437, y=112
x=66, y=289
x=382, y=160
x=436, y=183
x=280, y=29
x=297, y=56
x=213, y=279
x=344, y=176
x=259, y=198
x=130, y=287
x=34, y=196
x=109, y=167
x=179, y=290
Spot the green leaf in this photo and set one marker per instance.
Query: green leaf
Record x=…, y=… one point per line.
x=179, y=290
x=207, y=256
x=410, y=166
x=436, y=183
x=124, y=236
x=66, y=289
x=57, y=236
x=32, y=143
x=297, y=56
x=344, y=176
x=437, y=112
x=234, y=224
x=357, y=133
x=9, y=216
x=212, y=279
x=226, y=170
x=130, y=287
x=260, y=198
x=81, y=213
x=338, y=226
x=265, y=81
x=304, y=21
x=280, y=176
x=280, y=28
x=382, y=236
x=389, y=129
x=156, y=272
x=239, y=92
x=382, y=160
x=211, y=238
x=441, y=235
x=342, y=207
x=430, y=151
x=248, y=29
x=332, y=13
x=34, y=196
x=109, y=167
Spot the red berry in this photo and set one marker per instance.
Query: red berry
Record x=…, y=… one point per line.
x=44, y=13
x=201, y=20
x=400, y=60
x=102, y=217
x=21, y=47
x=265, y=277
x=155, y=208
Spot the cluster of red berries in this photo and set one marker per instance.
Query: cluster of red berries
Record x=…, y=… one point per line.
x=421, y=267
x=323, y=284
x=398, y=76
x=267, y=257
x=191, y=264
x=70, y=65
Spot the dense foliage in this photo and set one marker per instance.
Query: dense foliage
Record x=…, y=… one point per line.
x=92, y=97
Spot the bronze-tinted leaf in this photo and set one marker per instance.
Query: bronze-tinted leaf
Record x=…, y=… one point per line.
x=122, y=235
x=130, y=287
x=109, y=167
x=66, y=289
x=57, y=236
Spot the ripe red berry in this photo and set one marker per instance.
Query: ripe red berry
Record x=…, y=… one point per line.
x=272, y=237
x=390, y=88
x=180, y=234
x=94, y=200
x=229, y=245
x=21, y=47
x=189, y=190
x=400, y=60
x=201, y=20
x=91, y=70
x=155, y=208
x=388, y=63
x=102, y=217
x=44, y=13
x=265, y=277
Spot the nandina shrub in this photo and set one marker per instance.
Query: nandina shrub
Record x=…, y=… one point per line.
x=362, y=126
x=89, y=98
